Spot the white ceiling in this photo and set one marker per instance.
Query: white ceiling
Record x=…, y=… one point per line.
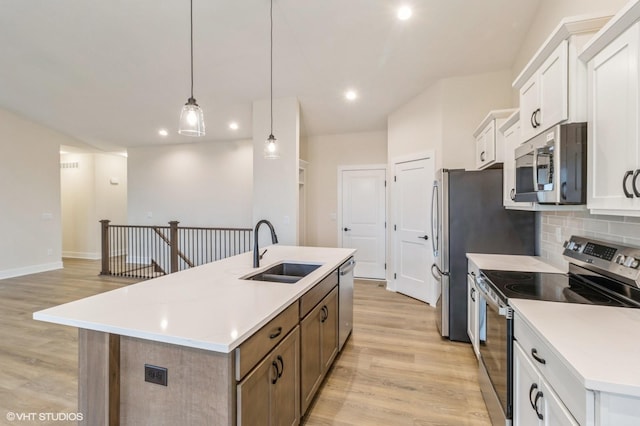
x=112, y=72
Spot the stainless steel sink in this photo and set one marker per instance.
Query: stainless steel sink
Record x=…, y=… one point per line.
x=284, y=272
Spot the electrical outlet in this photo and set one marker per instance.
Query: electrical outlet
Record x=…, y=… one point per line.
x=154, y=374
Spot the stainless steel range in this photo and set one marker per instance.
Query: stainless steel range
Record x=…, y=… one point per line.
x=600, y=273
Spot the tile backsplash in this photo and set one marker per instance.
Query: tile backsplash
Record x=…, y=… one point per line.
x=556, y=227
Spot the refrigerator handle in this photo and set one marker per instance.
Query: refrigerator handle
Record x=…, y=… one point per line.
x=435, y=219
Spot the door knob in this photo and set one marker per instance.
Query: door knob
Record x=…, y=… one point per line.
x=424, y=237
x=347, y=229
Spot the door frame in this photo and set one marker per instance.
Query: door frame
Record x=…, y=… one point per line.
x=392, y=213
x=357, y=167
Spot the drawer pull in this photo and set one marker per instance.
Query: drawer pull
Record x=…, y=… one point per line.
x=535, y=404
x=281, y=361
x=276, y=334
x=534, y=386
x=534, y=354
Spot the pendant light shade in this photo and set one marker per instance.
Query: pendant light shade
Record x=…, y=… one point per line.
x=271, y=148
x=191, y=117
x=271, y=144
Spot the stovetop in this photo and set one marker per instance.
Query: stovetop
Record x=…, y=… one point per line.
x=552, y=287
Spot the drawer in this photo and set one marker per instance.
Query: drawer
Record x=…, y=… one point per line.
x=252, y=350
x=568, y=387
x=312, y=297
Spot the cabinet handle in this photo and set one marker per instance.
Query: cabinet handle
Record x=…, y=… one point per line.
x=535, y=117
x=473, y=292
x=534, y=354
x=624, y=184
x=534, y=386
x=276, y=334
x=325, y=312
x=275, y=377
x=533, y=124
x=281, y=361
x=482, y=156
x=512, y=194
x=535, y=404
x=634, y=183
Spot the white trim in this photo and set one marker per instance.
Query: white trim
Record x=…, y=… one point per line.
x=81, y=255
x=27, y=270
x=412, y=157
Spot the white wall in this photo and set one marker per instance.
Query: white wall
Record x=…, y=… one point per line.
x=443, y=118
x=275, y=182
x=89, y=196
x=199, y=184
x=325, y=154
x=549, y=15
x=30, y=222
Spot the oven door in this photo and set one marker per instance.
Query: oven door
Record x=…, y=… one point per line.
x=525, y=188
x=496, y=355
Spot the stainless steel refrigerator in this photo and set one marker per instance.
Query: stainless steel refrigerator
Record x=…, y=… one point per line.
x=467, y=216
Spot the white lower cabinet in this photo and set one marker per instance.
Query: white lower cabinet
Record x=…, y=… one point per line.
x=534, y=401
x=475, y=310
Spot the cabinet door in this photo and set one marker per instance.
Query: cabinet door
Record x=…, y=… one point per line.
x=554, y=411
x=613, y=123
x=553, y=81
x=254, y=395
x=528, y=108
x=481, y=149
x=472, y=310
x=486, y=146
x=329, y=330
x=310, y=355
x=511, y=142
x=526, y=385
x=286, y=397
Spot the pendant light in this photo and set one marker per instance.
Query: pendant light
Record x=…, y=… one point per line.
x=191, y=117
x=271, y=145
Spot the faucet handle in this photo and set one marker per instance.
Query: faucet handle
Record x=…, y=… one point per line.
x=262, y=254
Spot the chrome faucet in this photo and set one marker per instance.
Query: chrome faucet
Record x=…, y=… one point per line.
x=256, y=252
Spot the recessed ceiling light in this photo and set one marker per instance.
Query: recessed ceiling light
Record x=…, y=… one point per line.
x=163, y=132
x=351, y=95
x=233, y=125
x=404, y=13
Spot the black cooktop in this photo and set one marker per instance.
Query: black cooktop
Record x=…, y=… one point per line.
x=550, y=287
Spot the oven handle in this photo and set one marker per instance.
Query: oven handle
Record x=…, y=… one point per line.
x=502, y=310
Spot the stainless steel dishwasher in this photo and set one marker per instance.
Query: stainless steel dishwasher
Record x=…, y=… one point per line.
x=345, y=308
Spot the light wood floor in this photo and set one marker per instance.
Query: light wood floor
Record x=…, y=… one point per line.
x=394, y=369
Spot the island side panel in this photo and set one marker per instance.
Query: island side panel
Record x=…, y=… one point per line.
x=200, y=385
x=98, y=377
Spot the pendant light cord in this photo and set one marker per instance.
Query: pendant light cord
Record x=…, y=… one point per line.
x=191, y=7
x=271, y=64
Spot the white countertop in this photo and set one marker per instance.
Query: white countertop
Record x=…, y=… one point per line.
x=600, y=344
x=207, y=307
x=506, y=262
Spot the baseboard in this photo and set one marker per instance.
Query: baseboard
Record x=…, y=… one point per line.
x=81, y=255
x=27, y=270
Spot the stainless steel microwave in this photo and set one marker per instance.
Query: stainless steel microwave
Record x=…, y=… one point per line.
x=551, y=168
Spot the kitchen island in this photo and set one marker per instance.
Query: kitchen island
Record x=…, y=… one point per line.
x=199, y=346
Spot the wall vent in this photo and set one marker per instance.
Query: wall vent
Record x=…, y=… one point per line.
x=70, y=165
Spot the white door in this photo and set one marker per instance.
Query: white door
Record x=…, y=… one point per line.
x=413, y=255
x=363, y=220
x=554, y=88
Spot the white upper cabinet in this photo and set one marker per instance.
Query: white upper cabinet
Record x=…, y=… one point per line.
x=490, y=142
x=552, y=86
x=613, y=61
